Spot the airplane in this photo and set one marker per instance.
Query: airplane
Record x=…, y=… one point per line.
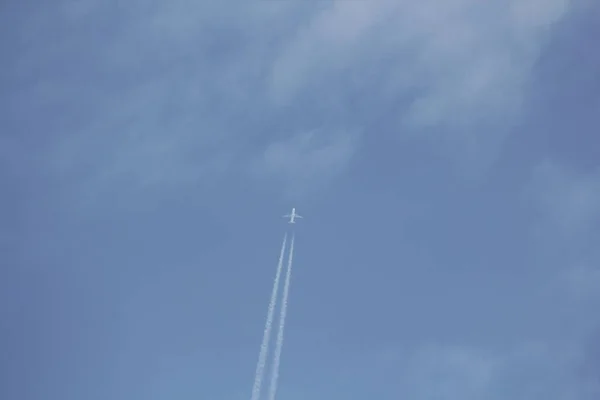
x=292, y=216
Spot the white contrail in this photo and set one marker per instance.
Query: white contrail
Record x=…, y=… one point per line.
x=264, y=347
x=283, y=312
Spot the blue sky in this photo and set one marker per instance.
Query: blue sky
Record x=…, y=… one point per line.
x=445, y=155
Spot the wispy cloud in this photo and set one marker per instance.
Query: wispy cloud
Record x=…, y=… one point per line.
x=307, y=159
x=531, y=370
x=590, y=371
x=463, y=59
x=569, y=200
x=566, y=205
x=147, y=93
x=450, y=372
x=583, y=282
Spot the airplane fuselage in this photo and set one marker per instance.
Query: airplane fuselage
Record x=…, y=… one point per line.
x=292, y=216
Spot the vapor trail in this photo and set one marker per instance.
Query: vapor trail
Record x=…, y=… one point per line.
x=264, y=347
x=282, y=315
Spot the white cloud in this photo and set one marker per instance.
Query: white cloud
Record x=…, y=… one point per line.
x=566, y=210
x=307, y=159
x=583, y=281
x=570, y=201
x=450, y=372
x=151, y=93
x=529, y=370
x=467, y=59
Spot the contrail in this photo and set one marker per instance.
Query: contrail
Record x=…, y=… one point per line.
x=282, y=315
x=264, y=347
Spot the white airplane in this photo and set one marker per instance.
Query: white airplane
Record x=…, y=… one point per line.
x=292, y=216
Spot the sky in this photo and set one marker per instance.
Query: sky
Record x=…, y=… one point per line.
x=445, y=156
